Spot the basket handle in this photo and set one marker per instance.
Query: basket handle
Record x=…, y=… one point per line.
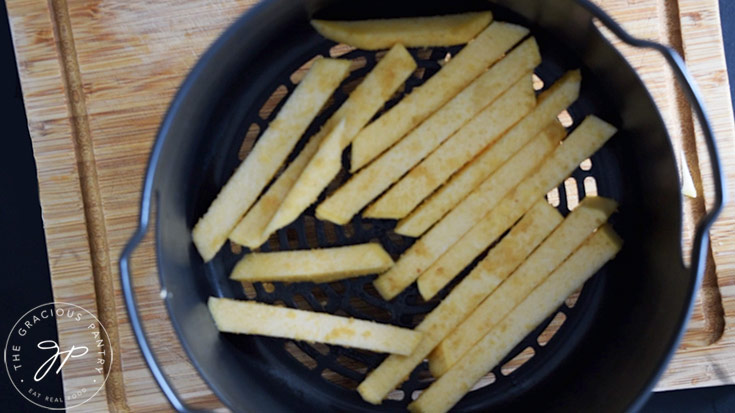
x=699, y=246
x=130, y=302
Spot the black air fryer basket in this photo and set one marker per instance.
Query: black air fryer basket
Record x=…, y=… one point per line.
x=615, y=340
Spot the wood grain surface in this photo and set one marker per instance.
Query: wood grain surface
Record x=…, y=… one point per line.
x=98, y=75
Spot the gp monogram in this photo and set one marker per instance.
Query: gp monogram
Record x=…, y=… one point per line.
x=34, y=361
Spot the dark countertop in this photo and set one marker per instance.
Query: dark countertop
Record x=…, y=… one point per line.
x=24, y=269
x=25, y=274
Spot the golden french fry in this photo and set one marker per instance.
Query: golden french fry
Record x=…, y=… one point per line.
x=270, y=151
x=552, y=101
x=580, y=145
x=250, y=231
x=466, y=214
x=506, y=256
x=248, y=317
x=356, y=111
x=460, y=148
x=321, y=169
x=578, y=225
x=469, y=63
x=432, y=31
x=318, y=265
x=444, y=393
x=368, y=183
x=369, y=96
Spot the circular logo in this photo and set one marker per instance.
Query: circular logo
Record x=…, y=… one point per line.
x=34, y=359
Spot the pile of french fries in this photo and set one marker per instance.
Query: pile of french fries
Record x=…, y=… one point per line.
x=463, y=159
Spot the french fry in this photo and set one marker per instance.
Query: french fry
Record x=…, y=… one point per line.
x=505, y=257
x=248, y=317
x=318, y=265
x=450, y=229
x=483, y=130
x=321, y=169
x=270, y=151
x=357, y=110
x=581, y=144
x=468, y=64
x=589, y=215
x=392, y=70
x=250, y=231
x=368, y=183
x=432, y=31
x=444, y=393
x=576, y=228
x=552, y=101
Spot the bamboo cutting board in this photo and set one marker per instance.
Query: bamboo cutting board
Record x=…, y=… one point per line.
x=98, y=75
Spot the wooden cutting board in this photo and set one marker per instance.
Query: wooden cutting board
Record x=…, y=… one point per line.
x=98, y=75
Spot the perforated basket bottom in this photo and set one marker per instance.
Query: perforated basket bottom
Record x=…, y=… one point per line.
x=538, y=353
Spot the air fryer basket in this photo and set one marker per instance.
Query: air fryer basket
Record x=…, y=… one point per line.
x=615, y=339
